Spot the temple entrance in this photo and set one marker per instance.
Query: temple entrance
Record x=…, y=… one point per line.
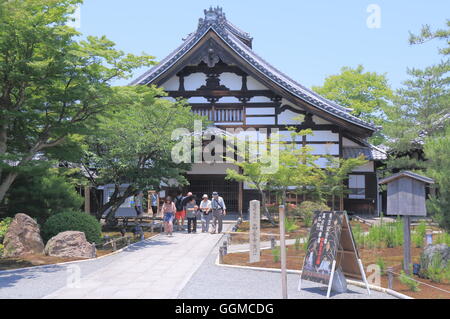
x=206, y=184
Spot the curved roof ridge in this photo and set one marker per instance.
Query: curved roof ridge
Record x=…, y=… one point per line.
x=291, y=85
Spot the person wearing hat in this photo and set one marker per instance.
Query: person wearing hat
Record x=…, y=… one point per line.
x=218, y=210
x=205, y=208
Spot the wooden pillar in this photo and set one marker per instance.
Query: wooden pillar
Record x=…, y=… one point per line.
x=87, y=199
x=241, y=198
x=406, y=243
x=283, y=253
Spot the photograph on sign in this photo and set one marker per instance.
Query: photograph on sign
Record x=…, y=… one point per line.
x=323, y=245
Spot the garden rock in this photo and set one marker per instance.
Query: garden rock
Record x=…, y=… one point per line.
x=430, y=251
x=339, y=284
x=22, y=237
x=70, y=244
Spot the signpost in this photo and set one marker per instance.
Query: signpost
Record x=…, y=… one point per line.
x=406, y=197
x=283, y=253
x=331, y=246
x=255, y=231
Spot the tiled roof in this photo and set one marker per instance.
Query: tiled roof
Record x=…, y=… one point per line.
x=371, y=152
x=215, y=20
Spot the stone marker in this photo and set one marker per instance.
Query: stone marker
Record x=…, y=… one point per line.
x=22, y=237
x=255, y=231
x=440, y=251
x=70, y=244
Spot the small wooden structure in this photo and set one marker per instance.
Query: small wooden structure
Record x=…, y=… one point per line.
x=406, y=197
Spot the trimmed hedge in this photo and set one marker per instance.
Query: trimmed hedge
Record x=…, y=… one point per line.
x=72, y=220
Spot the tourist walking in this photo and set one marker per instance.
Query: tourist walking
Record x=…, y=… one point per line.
x=168, y=211
x=138, y=200
x=182, y=214
x=218, y=210
x=205, y=208
x=179, y=213
x=154, y=198
x=191, y=214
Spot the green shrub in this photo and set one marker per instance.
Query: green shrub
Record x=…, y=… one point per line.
x=442, y=238
x=276, y=254
x=358, y=235
x=297, y=243
x=306, y=211
x=41, y=195
x=4, y=224
x=409, y=282
x=72, y=220
x=418, y=236
x=437, y=271
x=385, y=235
x=289, y=225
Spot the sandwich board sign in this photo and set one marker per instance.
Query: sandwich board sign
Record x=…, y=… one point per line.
x=331, y=246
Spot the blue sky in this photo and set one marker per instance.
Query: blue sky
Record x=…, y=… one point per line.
x=308, y=40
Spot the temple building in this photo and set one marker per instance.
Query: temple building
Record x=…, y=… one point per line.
x=222, y=78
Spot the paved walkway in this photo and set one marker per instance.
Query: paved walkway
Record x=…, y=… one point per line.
x=158, y=270
x=182, y=266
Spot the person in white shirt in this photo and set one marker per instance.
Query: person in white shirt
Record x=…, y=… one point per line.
x=218, y=211
x=205, y=208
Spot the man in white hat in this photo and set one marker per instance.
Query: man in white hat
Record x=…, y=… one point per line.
x=218, y=210
x=205, y=208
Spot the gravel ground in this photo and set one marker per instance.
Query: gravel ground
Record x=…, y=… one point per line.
x=212, y=281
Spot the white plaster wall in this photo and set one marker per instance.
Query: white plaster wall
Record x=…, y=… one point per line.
x=194, y=81
x=322, y=162
x=252, y=135
x=318, y=120
x=211, y=169
x=260, y=99
x=253, y=84
x=324, y=149
x=171, y=84
x=260, y=120
x=323, y=136
x=347, y=142
x=197, y=99
x=260, y=111
x=286, y=136
x=368, y=167
x=231, y=80
x=229, y=99
x=287, y=117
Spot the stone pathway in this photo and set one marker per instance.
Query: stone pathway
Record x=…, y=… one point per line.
x=158, y=270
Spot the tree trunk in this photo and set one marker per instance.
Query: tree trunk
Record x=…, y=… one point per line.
x=6, y=184
x=332, y=202
x=265, y=210
x=114, y=203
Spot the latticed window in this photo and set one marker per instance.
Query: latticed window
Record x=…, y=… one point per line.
x=231, y=115
x=357, y=186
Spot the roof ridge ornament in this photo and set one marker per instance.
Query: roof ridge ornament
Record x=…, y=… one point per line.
x=213, y=16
